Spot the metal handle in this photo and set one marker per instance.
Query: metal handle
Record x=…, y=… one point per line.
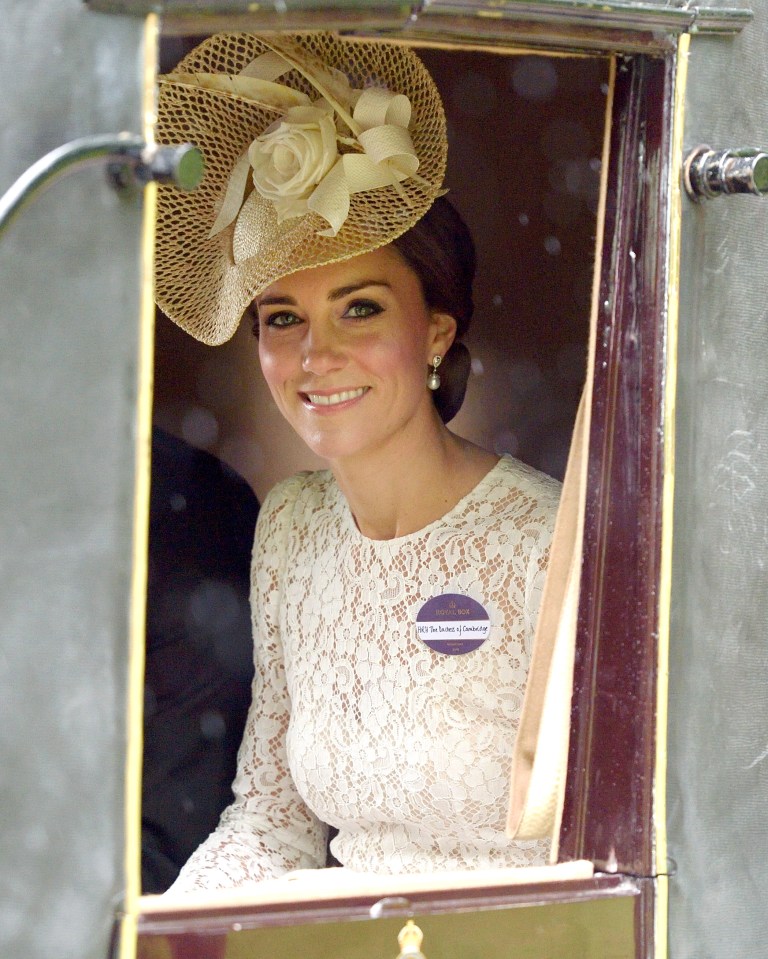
x=180, y=165
x=130, y=161
x=709, y=173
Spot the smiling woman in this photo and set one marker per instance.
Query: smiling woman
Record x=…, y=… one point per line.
x=347, y=364
x=395, y=594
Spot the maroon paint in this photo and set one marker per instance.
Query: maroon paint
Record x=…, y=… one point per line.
x=609, y=797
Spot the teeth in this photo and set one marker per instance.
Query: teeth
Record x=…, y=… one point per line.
x=318, y=399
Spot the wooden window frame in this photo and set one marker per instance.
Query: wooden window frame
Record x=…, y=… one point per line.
x=608, y=815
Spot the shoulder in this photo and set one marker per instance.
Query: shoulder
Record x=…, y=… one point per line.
x=298, y=492
x=284, y=527
x=516, y=475
x=513, y=503
x=516, y=496
x=317, y=484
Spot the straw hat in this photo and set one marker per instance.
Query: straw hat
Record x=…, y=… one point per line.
x=316, y=149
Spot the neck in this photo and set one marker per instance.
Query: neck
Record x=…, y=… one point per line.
x=401, y=489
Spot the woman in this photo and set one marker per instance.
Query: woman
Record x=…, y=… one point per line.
x=395, y=594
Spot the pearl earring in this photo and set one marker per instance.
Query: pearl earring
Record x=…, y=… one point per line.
x=433, y=380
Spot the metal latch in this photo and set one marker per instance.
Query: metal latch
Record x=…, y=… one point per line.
x=708, y=173
x=129, y=160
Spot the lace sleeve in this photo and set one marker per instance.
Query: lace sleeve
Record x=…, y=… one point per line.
x=538, y=560
x=268, y=830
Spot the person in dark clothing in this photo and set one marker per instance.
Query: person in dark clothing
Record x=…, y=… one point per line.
x=199, y=659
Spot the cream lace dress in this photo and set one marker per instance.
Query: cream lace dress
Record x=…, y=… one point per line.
x=357, y=723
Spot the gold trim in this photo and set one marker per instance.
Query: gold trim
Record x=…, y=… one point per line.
x=480, y=45
x=668, y=490
x=137, y=616
x=661, y=918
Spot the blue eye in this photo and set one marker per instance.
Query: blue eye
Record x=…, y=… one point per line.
x=361, y=309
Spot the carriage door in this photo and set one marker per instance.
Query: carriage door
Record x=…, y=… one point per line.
x=73, y=285
x=76, y=497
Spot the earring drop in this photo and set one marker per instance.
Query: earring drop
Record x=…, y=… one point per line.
x=433, y=380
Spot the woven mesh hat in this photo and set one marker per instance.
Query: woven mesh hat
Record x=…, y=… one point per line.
x=207, y=273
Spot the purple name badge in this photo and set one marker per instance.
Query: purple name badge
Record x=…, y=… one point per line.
x=453, y=624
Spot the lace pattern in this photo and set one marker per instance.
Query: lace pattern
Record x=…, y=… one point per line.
x=355, y=721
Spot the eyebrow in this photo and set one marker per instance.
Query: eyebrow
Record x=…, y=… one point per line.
x=338, y=294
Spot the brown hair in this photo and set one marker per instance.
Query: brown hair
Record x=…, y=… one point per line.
x=440, y=251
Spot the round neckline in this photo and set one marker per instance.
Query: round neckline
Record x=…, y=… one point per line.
x=352, y=526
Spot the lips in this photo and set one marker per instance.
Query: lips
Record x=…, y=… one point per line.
x=335, y=399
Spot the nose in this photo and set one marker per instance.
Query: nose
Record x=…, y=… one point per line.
x=323, y=352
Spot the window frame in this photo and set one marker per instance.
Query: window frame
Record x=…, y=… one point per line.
x=610, y=814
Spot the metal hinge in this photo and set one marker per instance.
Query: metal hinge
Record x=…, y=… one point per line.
x=130, y=162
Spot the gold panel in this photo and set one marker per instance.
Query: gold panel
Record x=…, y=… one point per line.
x=595, y=928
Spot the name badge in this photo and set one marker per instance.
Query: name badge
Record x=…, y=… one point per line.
x=453, y=624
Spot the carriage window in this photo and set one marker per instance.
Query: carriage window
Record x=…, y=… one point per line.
x=525, y=146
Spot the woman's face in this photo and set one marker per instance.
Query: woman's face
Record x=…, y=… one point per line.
x=345, y=350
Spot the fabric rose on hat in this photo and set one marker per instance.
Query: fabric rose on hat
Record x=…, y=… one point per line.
x=293, y=156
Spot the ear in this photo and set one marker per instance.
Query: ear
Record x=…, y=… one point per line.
x=442, y=334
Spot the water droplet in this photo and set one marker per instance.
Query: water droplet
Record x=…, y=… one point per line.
x=213, y=606
x=199, y=427
x=524, y=375
x=212, y=725
x=573, y=176
x=534, y=78
x=552, y=245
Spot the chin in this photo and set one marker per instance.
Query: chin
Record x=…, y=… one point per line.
x=333, y=452
x=342, y=446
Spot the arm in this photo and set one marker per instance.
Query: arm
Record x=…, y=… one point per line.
x=268, y=830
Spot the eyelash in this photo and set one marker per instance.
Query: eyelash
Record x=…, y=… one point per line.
x=368, y=307
x=372, y=308
x=271, y=320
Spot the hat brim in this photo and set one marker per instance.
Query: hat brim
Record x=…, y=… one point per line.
x=198, y=284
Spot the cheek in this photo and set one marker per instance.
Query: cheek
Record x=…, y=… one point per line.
x=396, y=362
x=274, y=372
x=274, y=364
x=411, y=362
x=400, y=355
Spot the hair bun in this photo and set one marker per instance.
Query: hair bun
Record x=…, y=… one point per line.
x=454, y=374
